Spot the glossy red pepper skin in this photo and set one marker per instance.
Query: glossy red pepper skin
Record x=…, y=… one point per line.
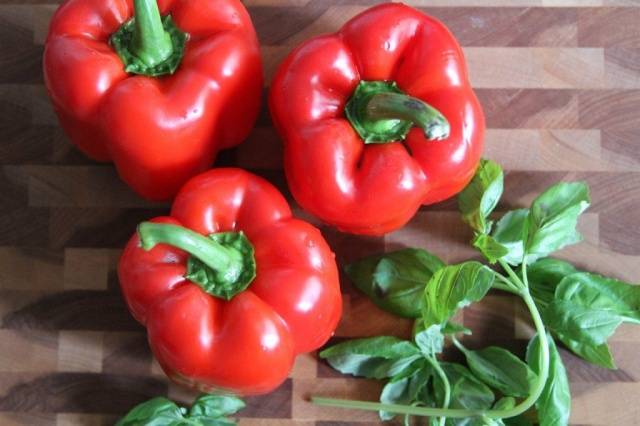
x=374, y=189
x=246, y=345
x=159, y=132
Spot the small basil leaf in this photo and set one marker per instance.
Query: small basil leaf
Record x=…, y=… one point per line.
x=554, y=404
x=520, y=420
x=454, y=287
x=596, y=292
x=466, y=390
x=395, y=392
x=552, y=220
x=505, y=403
x=502, y=370
x=584, y=324
x=216, y=406
x=545, y=275
x=395, y=281
x=490, y=248
x=374, y=357
x=156, y=412
x=509, y=233
x=595, y=354
x=481, y=195
x=430, y=340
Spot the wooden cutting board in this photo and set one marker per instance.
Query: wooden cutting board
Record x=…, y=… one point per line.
x=560, y=84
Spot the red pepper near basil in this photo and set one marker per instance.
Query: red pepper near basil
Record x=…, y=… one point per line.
x=231, y=287
x=158, y=89
x=343, y=102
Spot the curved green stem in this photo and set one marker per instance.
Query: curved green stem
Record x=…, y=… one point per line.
x=516, y=279
x=381, y=113
x=505, y=285
x=150, y=43
x=447, y=386
x=387, y=105
x=209, y=252
x=222, y=264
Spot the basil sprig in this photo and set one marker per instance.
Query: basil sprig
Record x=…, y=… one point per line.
x=207, y=410
x=495, y=387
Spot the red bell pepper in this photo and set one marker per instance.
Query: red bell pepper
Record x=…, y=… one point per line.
x=158, y=94
x=342, y=102
x=230, y=286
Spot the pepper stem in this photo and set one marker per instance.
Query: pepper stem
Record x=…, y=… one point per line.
x=151, y=43
x=404, y=107
x=147, y=43
x=222, y=264
x=380, y=112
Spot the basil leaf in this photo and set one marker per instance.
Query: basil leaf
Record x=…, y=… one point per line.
x=502, y=370
x=395, y=281
x=545, y=275
x=520, y=420
x=490, y=248
x=584, y=324
x=509, y=233
x=454, y=287
x=551, y=224
x=373, y=357
x=156, y=411
x=430, y=341
x=466, y=392
x=596, y=292
x=216, y=406
x=481, y=195
x=505, y=403
x=554, y=404
x=595, y=354
x=395, y=392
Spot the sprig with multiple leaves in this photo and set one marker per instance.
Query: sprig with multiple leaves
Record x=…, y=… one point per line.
x=207, y=410
x=494, y=387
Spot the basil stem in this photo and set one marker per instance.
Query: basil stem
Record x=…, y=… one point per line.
x=516, y=286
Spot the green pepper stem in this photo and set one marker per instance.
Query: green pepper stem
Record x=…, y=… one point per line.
x=209, y=252
x=150, y=43
x=389, y=105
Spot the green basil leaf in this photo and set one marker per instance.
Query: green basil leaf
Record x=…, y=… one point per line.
x=454, y=287
x=596, y=354
x=502, y=370
x=480, y=197
x=505, y=403
x=466, y=392
x=580, y=323
x=158, y=411
x=373, y=357
x=216, y=406
x=520, y=420
x=408, y=387
x=597, y=292
x=395, y=392
x=430, y=340
x=554, y=404
x=510, y=234
x=545, y=275
x=490, y=248
x=395, y=281
x=552, y=220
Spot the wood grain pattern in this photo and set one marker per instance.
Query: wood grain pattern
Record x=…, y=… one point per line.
x=560, y=84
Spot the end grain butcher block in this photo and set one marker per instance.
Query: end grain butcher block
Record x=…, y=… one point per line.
x=560, y=84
